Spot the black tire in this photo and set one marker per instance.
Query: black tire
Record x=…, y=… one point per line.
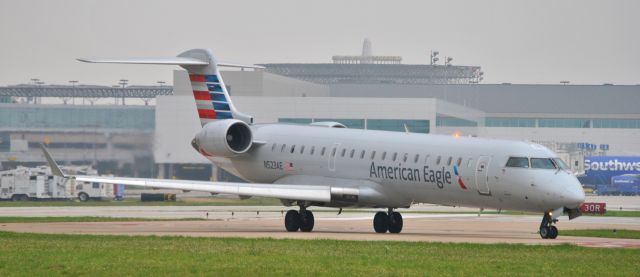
x=553, y=232
x=381, y=222
x=19, y=197
x=292, y=221
x=306, y=221
x=83, y=197
x=395, y=223
x=544, y=232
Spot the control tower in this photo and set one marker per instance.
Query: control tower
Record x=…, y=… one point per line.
x=367, y=57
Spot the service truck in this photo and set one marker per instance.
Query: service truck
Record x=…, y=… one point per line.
x=38, y=183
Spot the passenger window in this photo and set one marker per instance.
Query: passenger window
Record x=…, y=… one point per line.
x=459, y=162
x=438, y=160
x=542, y=163
x=470, y=162
x=333, y=152
x=362, y=155
x=384, y=155
x=273, y=147
x=416, y=158
x=449, y=160
x=293, y=148
x=283, y=147
x=353, y=151
x=302, y=149
x=344, y=150
x=323, y=150
x=373, y=154
x=395, y=156
x=405, y=157
x=313, y=149
x=520, y=162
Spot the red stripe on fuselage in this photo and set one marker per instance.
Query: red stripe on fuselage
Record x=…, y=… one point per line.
x=207, y=113
x=196, y=78
x=201, y=95
x=461, y=184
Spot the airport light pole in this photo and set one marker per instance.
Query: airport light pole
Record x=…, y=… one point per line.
x=123, y=83
x=73, y=86
x=434, y=57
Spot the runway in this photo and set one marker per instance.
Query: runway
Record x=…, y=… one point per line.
x=268, y=223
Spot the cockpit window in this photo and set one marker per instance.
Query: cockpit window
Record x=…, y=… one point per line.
x=520, y=162
x=560, y=164
x=542, y=163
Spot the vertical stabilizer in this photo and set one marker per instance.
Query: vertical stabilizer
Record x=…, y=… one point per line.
x=211, y=95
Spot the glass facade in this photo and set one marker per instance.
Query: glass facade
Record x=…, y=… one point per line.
x=63, y=117
x=510, y=122
x=415, y=126
x=564, y=123
x=350, y=123
x=295, y=120
x=617, y=123
x=449, y=121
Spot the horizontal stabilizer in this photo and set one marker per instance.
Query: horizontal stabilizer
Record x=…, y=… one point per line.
x=164, y=61
x=168, y=61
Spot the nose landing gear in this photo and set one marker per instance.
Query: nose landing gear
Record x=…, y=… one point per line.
x=547, y=230
x=390, y=221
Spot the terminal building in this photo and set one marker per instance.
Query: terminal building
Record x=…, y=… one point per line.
x=361, y=92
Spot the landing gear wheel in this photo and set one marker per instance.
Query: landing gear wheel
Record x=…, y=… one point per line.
x=306, y=221
x=83, y=197
x=292, y=221
x=553, y=232
x=381, y=222
x=395, y=223
x=544, y=232
x=547, y=230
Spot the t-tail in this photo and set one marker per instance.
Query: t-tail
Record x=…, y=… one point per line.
x=210, y=93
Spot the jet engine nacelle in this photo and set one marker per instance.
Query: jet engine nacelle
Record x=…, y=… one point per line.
x=224, y=138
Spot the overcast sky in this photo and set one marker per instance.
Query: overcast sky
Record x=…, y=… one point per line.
x=585, y=42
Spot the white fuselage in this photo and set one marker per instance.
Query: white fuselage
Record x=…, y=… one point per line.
x=406, y=168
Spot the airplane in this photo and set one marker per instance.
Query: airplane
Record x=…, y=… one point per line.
x=327, y=165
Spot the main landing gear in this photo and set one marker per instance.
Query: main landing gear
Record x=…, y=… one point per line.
x=390, y=221
x=547, y=230
x=303, y=220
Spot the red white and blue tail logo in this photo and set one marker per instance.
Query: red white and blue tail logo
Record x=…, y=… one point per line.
x=211, y=99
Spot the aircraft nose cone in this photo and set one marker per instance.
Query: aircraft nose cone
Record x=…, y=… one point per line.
x=573, y=194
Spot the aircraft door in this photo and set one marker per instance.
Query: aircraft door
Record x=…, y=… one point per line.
x=482, y=175
x=332, y=156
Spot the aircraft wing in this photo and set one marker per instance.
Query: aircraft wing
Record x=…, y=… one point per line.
x=281, y=191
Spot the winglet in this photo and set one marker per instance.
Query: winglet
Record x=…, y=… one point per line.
x=55, y=169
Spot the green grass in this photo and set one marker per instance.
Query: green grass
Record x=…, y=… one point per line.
x=254, y=201
x=20, y=219
x=89, y=255
x=603, y=233
x=620, y=213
